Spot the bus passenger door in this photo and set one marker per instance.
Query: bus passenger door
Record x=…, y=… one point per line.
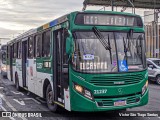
x=60, y=70
x=11, y=61
x=24, y=63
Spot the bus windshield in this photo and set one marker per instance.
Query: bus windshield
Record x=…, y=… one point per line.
x=124, y=53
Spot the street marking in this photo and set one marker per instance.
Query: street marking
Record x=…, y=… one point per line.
x=39, y=99
x=17, y=93
x=6, y=111
x=32, y=99
x=20, y=102
x=10, y=106
x=0, y=101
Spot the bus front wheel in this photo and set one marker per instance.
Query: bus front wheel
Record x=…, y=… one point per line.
x=49, y=98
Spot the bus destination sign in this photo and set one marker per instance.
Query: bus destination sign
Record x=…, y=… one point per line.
x=108, y=19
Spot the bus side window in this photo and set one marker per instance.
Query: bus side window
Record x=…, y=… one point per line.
x=34, y=46
x=15, y=50
x=46, y=44
x=19, y=49
x=12, y=50
x=65, y=56
x=30, y=48
x=4, y=57
x=38, y=45
x=7, y=53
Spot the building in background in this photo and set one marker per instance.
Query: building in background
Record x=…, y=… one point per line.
x=152, y=32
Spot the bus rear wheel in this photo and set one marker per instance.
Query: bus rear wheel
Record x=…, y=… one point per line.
x=49, y=97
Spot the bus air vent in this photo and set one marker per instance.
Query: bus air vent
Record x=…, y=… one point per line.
x=117, y=80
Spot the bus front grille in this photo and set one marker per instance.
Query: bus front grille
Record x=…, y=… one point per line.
x=110, y=102
x=116, y=80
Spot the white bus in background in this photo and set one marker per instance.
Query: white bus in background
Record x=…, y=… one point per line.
x=3, y=67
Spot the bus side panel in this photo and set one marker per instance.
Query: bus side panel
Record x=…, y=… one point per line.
x=40, y=81
x=67, y=99
x=35, y=77
x=43, y=73
x=19, y=71
x=8, y=73
x=14, y=69
x=31, y=70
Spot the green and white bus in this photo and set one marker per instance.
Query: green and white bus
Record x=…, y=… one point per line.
x=83, y=61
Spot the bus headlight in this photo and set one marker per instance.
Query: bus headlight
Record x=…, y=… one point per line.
x=78, y=88
x=144, y=88
x=85, y=92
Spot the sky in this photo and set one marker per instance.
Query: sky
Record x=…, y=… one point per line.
x=18, y=16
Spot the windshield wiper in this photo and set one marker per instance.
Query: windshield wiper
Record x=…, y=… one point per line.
x=110, y=52
x=103, y=41
x=139, y=47
x=101, y=38
x=125, y=48
x=130, y=37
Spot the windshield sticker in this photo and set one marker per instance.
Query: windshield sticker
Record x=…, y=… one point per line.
x=114, y=62
x=123, y=65
x=88, y=57
x=93, y=66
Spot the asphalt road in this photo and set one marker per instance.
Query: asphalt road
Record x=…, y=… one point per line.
x=12, y=100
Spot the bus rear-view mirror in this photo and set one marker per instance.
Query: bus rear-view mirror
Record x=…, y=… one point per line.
x=69, y=43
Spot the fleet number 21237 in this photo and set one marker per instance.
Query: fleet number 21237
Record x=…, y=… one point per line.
x=103, y=91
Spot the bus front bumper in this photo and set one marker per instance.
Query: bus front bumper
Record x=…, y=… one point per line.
x=83, y=104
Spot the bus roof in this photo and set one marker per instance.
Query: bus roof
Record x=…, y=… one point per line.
x=61, y=20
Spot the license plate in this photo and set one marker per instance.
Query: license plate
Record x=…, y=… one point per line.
x=120, y=103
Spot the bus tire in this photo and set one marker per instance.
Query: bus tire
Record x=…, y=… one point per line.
x=17, y=83
x=53, y=107
x=158, y=79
